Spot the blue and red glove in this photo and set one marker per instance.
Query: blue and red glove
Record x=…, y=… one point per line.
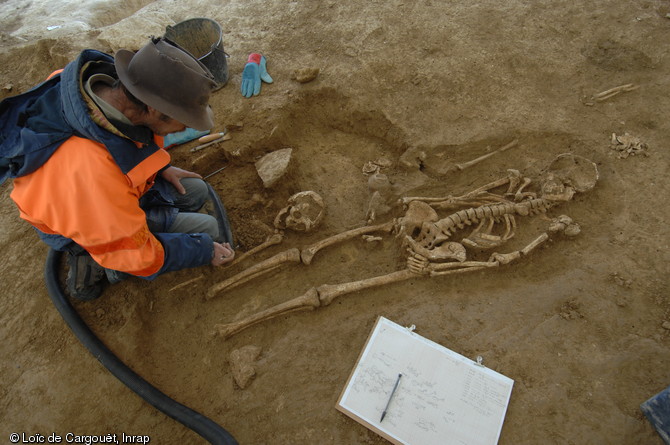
x=255, y=72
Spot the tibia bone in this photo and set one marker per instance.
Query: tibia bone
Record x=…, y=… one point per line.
x=288, y=256
x=310, y=300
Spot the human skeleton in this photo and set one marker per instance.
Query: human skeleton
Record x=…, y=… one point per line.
x=429, y=241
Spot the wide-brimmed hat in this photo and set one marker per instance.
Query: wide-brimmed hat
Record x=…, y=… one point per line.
x=169, y=79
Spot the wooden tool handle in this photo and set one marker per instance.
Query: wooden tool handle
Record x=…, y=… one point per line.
x=210, y=137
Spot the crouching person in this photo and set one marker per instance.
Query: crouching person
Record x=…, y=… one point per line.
x=92, y=177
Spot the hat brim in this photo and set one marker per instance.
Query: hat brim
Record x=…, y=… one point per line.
x=199, y=120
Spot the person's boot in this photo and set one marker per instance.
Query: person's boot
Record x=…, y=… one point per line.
x=85, y=278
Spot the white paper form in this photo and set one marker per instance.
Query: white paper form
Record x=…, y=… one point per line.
x=443, y=398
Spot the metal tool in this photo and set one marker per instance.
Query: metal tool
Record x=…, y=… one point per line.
x=225, y=137
x=215, y=172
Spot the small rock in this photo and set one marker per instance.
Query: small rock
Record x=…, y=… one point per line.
x=304, y=75
x=628, y=145
x=272, y=166
x=666, y=325
x=376, y=207
x=257, y=198
x=384, y=162
x=370, y=167
x=241, y=364
x=234, y=127
x=621, y=281
x=379, y=182
x=412, y=158
x=99, y=312
x=372, y=238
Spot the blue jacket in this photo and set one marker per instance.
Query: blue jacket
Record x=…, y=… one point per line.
x=47, y=134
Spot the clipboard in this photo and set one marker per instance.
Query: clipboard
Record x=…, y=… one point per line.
x=443, y=397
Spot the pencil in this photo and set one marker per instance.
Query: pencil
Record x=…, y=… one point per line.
x=390, y=397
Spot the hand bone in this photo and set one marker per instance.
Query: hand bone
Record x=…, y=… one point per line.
x=564, y=224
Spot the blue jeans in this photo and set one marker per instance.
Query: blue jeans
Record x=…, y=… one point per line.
x=188, y=220
x=167, y=211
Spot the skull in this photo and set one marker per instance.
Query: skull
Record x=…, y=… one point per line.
x=304, y=212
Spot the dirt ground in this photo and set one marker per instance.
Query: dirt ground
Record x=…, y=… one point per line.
x=582, y=324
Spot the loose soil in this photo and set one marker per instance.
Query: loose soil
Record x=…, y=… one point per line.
x=582, y=324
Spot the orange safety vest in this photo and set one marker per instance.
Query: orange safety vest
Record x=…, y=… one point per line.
x=81, y=193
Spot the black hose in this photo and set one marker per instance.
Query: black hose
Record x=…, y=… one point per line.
x=189, y=418
x=221, y=216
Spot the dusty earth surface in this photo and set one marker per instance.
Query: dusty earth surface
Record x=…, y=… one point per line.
x=582, y=324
